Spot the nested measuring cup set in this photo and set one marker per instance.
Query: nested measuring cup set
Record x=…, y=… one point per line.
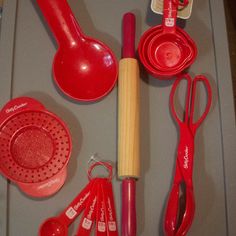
x=35, y=144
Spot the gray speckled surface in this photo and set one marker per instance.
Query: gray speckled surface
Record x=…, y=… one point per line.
x=27, y=50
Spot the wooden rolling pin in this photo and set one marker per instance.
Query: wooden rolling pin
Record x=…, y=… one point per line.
x=128, y=125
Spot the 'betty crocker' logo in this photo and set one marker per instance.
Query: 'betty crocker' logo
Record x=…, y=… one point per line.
x=16, y=107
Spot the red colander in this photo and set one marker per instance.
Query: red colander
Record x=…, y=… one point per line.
x=35, y=147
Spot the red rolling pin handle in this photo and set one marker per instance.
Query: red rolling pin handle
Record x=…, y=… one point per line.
x=128, y=50
x=128, y=207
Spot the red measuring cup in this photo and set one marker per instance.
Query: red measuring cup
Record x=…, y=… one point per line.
x=35, y=147
x=167, y=50
x=84, y=68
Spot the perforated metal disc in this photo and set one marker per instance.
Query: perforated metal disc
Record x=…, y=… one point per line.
x=34, y=146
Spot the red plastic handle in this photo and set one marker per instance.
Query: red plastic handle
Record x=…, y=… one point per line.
x=187, y=98
x=77, y=205
x=61, y=21
x=204, y=80
x=128, y=207
x=190, y=100
x=89, y=215
x=169, y=16
x=128, y=35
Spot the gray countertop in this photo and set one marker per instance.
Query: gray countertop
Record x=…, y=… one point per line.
x=26, y=53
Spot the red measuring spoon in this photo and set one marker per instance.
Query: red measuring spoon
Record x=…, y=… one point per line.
x=59, y=225
x=84, y=68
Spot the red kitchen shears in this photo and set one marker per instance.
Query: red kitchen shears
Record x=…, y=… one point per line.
x=176, y=224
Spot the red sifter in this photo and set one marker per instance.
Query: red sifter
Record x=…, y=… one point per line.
x=35, y=147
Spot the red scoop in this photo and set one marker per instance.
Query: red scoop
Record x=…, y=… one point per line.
x=85, y=69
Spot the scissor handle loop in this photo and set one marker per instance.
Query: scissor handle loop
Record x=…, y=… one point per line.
x=190, y=99
x=172, y=94
x=204, y=80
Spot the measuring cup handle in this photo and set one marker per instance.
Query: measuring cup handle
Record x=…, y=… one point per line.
x=61, y=21
x=169, y=16
x=204, y=80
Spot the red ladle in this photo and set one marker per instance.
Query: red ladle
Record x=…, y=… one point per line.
x=84, y=68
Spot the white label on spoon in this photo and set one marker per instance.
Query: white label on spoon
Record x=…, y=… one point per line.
x=71, y=213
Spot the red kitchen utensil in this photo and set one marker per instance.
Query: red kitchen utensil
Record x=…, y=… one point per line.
x=167, y=50
x=35, y=147
x=174, y=223
x=97, y=202
x=84, y=68
x=128, y=127
x=59, y=225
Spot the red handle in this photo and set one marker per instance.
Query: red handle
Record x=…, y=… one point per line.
x=61, y=21
x=190, y=100
x=128, y=207
x=128, y=36
x=77, y=205
x=169, y=16
x=204, y=80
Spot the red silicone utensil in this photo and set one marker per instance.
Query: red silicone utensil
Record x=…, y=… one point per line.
x=59, y=225
x=84, y=68
x=176, y=224
x=169, y=51
x=35, y=147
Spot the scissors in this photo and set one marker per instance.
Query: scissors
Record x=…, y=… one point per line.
x=176, y=224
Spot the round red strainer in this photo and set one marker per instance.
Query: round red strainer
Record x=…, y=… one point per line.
x=35, y=146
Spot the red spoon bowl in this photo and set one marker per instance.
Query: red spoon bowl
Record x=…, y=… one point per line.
x=84, y=68
x=86, y=72
x=53, y=227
